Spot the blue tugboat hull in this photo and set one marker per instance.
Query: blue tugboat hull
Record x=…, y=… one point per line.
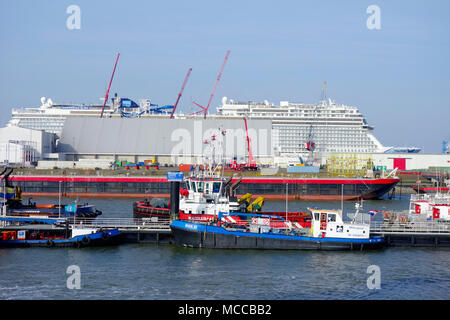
x=198, y=235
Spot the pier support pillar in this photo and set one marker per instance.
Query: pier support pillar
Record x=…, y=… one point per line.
x=174, y=199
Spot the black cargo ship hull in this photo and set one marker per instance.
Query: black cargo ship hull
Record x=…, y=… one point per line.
x=150, y=187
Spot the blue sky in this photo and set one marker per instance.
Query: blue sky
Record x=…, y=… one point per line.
x=397, y=76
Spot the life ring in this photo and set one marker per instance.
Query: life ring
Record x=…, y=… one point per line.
x=49, y=243
x=105, y=236
x=403, y=219
x=86, y=241
x=387, y=214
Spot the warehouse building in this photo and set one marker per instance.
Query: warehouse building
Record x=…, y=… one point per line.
x=170, y=141
x=25, y=146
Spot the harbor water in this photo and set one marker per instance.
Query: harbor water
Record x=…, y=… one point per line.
x=151, y=271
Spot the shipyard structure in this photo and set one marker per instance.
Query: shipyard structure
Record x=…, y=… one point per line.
x=301, y=151
x=278, y=135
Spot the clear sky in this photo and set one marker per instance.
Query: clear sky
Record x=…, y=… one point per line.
x=398, y=76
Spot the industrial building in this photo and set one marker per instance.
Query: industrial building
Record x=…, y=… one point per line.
x=88, y=142
x=23, y=146
x=170, y=141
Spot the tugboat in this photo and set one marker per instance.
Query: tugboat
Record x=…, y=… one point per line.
x=12, y=197
x=205, y=195
x=52, y=232
x=326, y=230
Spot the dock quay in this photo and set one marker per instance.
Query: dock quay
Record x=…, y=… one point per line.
x=138, y=230
x=413, y=234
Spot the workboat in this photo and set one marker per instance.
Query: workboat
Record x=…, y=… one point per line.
x=12, y=198
x=52, y=232
x=203, y=196
x=325, y=231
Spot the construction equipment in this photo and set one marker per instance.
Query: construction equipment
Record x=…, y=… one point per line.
x=245, y=198
x=256, y=205
x=203, y=109
x=310, y=146
x=251, y=164
x=181, y=92
x=109, y=86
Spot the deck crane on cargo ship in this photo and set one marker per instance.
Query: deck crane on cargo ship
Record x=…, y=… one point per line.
x=203, y=109
x=109, y=86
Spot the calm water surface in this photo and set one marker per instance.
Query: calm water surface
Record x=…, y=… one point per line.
x=148, y=271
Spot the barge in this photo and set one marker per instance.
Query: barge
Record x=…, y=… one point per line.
x=52, y=232
x=272, y=188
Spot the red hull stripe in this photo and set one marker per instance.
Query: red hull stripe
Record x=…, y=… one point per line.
x=166, y=195
x=246, y=180
x=432, y=189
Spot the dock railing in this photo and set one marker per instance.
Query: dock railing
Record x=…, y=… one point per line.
x=416, y=227
x=126, y=223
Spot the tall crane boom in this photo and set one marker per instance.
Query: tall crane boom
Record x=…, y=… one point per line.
x=181, y=92
x=110, y=81
x=251, y=162
x=217, y=82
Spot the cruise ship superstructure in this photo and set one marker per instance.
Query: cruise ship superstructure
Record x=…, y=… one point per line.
x=333, y=127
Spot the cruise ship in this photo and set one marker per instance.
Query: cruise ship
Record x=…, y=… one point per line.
x=51, y=116
x=334, y=128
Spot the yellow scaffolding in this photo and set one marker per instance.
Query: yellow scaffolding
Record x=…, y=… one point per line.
x=349, y=164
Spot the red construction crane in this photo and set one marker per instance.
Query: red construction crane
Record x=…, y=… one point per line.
x=251, y=165
x=110, y=81
x=205, y=110
x=181, y=92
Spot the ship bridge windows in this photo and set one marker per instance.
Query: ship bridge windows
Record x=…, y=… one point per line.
x=316, y=216
x=216, y=187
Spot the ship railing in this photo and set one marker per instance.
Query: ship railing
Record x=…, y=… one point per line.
x=125, y=223
x=426, y=227
x=434, y=199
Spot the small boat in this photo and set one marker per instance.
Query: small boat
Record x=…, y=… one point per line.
x=12, y=197
x=327, y=231
x=52, y=232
